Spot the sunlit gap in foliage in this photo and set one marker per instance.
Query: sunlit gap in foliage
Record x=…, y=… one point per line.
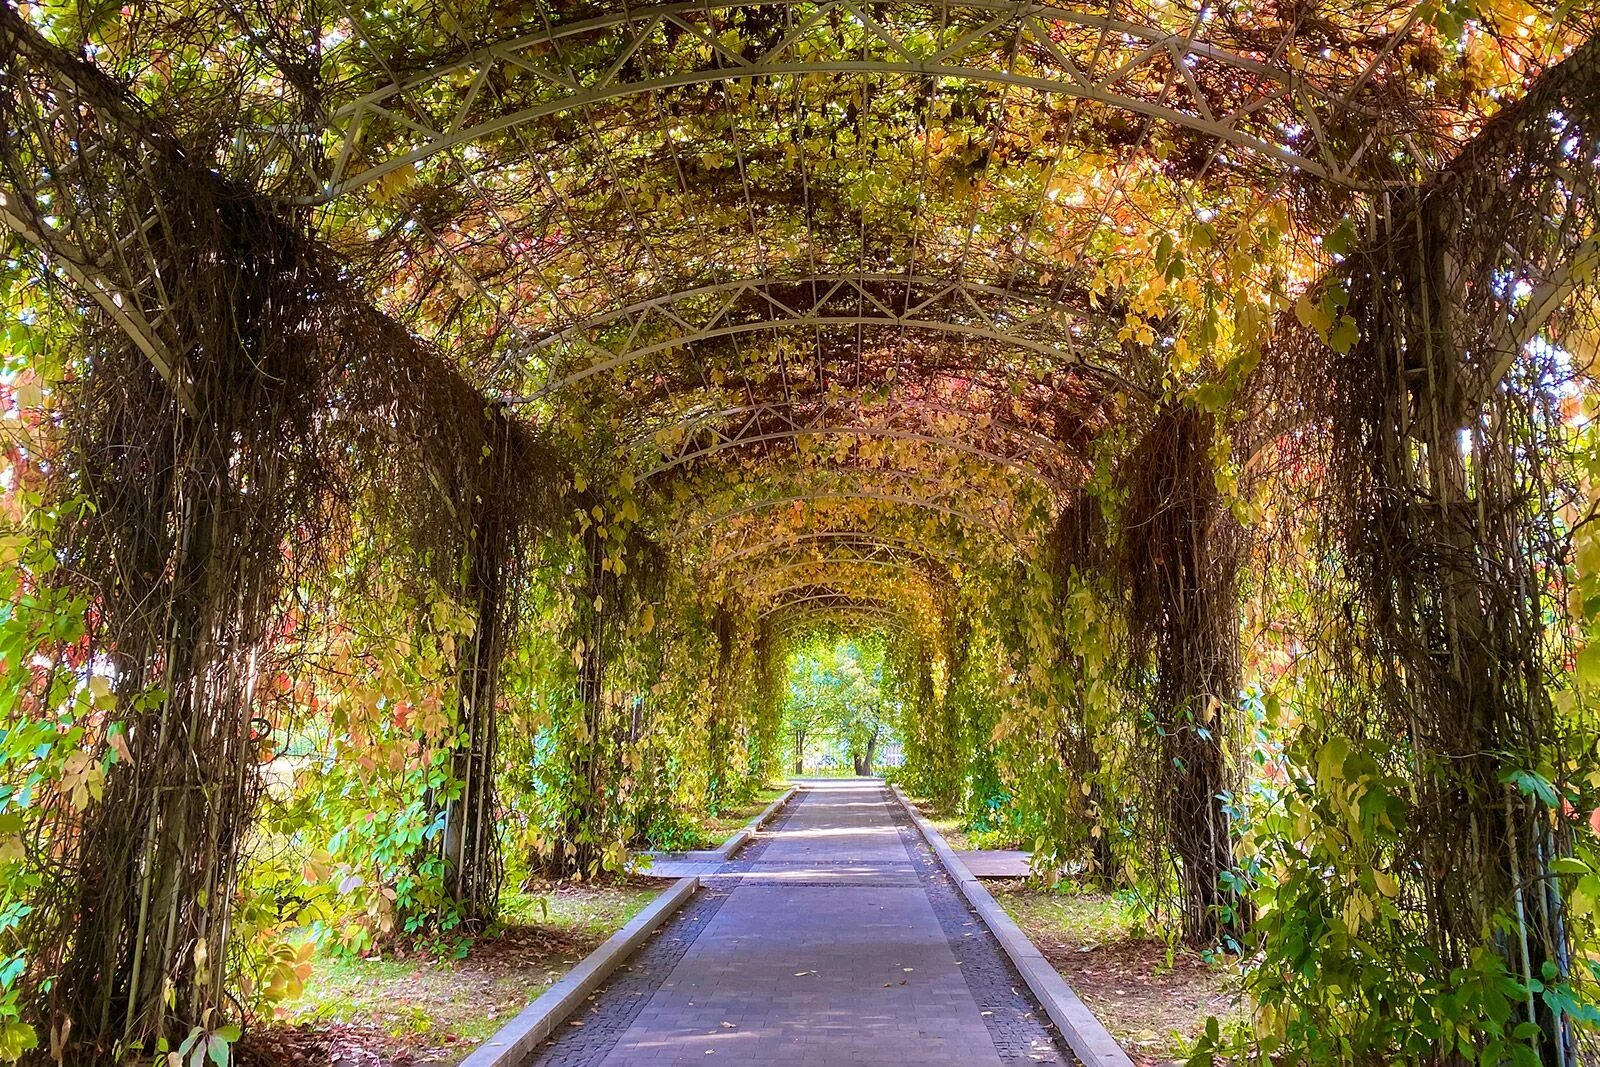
x=840, y=712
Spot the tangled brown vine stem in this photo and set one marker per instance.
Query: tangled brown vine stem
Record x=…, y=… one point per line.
x=210, y=484
x=1446, y=475
x=1180, y=555
x=504, y=516
x=182, y=546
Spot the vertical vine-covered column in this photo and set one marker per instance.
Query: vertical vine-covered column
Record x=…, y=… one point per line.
x=1444, y=452
x=471, y=841
x=767, y=698
x=612, y=574
x=1445, y=722
x=575, y=851
x=1085, y=657
x=918, y=698
x=724, y=710
x=186, y=552
x=947, y=729
x=1181, y=554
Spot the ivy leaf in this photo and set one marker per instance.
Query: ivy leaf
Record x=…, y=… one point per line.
x=1587, y=666
x=1312, y=316
x=1344, y=335
x=1341, y=240
x=1533, y=785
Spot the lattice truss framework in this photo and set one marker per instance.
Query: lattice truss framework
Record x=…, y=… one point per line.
x=1051, y=333
x=672, y=214
x=1149, y=70
x=810, y=600
x=92, y=199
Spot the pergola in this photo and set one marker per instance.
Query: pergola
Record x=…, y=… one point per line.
x=930, y=318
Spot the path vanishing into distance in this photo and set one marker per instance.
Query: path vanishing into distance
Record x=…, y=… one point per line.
x=835, y=938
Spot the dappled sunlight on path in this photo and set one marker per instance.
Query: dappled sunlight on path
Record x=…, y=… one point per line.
x=836, y=938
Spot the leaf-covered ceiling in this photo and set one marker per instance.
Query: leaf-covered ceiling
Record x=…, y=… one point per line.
x=850, y=292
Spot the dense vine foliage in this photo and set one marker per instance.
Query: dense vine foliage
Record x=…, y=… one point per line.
x=453, y=445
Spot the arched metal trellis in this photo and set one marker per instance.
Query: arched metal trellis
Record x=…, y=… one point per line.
x=813, y=600
x=890, y=545
x=705, y=523
x=1064, y=334
x=91, y=180
x=799, y=416
x=701, y=436
x=1020, y=462
x=887, y=563
x=1157, y=72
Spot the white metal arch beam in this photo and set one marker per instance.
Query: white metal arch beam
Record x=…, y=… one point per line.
x=98, y=240
x=920, y=503
x=1000, y=28
x=815, y=600
x=64, y=252
x=1023, y=463
x=797, y=415
x=762, y=565
x=904, y=566
x=871, y=541
x=784, y=484
x=785, y=622
x=617, y=338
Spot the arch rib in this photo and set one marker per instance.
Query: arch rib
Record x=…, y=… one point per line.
x=756, y=416
x=873, y=542
x=620, y=39
x=920, y=503
x=907, y=566
x=832, y=600
x=1022, y=465
x=1030, y=322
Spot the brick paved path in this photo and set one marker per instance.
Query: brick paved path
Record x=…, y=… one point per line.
x=835, y=938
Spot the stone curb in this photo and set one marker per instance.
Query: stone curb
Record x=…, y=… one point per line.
x=742, y=836
x=1083, y=1033
x=517, y=1039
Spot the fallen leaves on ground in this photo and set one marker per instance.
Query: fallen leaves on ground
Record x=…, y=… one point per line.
x=1126, y=981
x=417, y=1018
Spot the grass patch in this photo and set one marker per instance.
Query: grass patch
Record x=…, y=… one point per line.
x=946, y=820
x=1154, y=999
x=715, y=829
x=419, y=1009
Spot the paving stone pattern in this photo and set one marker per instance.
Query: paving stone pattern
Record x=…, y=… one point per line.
x=834, y=938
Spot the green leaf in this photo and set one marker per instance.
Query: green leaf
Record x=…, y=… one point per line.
x=1341, y=240
x=1533, y=785
x=190, y=1042
x=1344, y=336
x=1588, y=664
x=1310, y=315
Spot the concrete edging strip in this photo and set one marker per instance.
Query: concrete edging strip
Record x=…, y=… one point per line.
x=513, y=1042
x=742, y=836
x=1083, y=1033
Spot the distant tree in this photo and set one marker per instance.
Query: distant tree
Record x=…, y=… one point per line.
x=836, y=692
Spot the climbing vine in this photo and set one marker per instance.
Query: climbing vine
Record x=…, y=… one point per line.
x=448, y=449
